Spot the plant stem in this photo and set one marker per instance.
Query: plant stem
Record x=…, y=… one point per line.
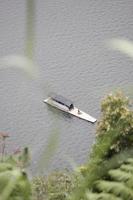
x=3, y=150
x=29, y=42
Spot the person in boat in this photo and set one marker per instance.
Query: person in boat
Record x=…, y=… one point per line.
x=79, y=112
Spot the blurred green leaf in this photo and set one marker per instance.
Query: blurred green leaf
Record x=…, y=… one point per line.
x=20, y=62
x=30, y=29
x=122, y=45
x=25, y=63
x=49, y=151
x=8, y=180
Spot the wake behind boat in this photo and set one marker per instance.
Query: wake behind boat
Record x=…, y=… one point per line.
x=67, y=106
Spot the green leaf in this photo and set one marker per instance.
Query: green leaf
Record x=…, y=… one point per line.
x=123, y=45
x=49, y=151
x=21, y=62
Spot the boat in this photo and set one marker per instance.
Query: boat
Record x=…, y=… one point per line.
x=67, y=106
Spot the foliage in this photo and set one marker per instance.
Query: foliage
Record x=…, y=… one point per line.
x=14, y=183
x=113, y=144
x=19, y=159
x=123, y=45
x=115, y=114
x=56, y=186
x=107, y=175
x=114, y=131
x=117, y=184
x=49, y=150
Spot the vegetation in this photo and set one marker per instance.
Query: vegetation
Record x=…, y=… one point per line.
x=14, y=183
x=57, y=185
x=108, y=174
x=112, y=148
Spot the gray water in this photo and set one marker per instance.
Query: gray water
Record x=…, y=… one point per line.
x=73, y=61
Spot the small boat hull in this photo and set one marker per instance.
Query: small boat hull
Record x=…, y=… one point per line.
x=75, y=111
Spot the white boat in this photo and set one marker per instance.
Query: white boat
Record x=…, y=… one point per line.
x=67, y=106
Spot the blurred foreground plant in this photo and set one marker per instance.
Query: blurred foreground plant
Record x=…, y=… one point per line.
x=25, y=62
x=117, y=184
x=114, y=144
x=123, y=45
x=56, y=186
x=14, y=183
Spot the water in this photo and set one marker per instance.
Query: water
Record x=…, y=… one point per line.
x=74, y=62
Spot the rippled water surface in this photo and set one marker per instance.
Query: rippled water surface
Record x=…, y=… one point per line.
x=74, y=62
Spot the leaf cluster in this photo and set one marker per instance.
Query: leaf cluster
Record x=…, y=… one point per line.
x=115, y=113
x=116, y=185
x=114, y=144
x=14, y=183
x=55, y=186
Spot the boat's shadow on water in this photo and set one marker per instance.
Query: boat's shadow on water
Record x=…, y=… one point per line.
x=59, y=113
